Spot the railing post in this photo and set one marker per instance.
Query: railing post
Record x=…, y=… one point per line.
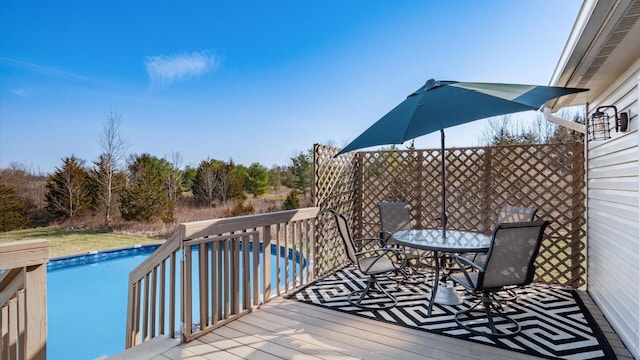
x=23, y=299
x=36, y=314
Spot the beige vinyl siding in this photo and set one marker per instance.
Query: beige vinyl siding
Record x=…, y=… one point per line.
x=613, y=265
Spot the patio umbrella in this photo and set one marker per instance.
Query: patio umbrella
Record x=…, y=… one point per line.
x=440, y=104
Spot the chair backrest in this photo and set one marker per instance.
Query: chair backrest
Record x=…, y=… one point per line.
x=394, y=216
x=511, y=257
x=511, y=214
x=345, y=233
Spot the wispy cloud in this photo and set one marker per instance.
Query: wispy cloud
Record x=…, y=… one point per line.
x=46, y=70
x=167, y=69
x=19, y=92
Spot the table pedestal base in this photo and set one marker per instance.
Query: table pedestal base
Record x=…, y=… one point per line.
x=447, y=295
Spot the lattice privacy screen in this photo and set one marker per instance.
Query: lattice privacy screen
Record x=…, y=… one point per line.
x=477, y=182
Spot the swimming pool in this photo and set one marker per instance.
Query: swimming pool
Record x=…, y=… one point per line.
x=87, y=302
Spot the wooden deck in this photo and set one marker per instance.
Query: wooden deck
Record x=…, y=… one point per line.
x=287, y=329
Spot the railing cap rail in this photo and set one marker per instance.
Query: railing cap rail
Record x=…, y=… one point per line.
x=199, y=229
x=196, y=229
x=16, y=254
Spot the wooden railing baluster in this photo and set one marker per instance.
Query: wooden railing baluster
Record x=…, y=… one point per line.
x=152, y=300
x=266, y=264
x=172, y=294
x=232, y=277
x=161, y=306
x=203, y=273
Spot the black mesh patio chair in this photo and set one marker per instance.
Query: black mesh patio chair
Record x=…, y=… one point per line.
x=507, y=214
x=373, y=262
x=509, y=262
x=511, y=214
x=396, y=216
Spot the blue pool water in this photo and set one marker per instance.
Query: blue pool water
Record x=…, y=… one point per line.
x=87, y=303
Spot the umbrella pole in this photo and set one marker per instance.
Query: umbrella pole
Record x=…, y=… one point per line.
x=443, y=214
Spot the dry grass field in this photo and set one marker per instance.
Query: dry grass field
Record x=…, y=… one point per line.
x=64, y=242
x=89, y=235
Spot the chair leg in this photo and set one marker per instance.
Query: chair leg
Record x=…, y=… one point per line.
x=492, y=318
x=372, y=287
x=365, y=292
x=487, y=310
x=411, y=275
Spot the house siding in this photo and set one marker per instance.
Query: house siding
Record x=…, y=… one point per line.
x=613, y=216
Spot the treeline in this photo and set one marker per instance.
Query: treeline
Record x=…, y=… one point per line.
x=146, y=190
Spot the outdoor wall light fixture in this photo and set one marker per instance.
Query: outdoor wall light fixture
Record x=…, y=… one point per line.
x=599, y=123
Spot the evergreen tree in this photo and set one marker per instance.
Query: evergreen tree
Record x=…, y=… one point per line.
x=291, y=202
x=30, y=187
x=257, y=179
x=189, y=177
x=276, y=173
x=106, y=184
x=301, y=170
x=13, y=209
x=68, y=190
x=146, y=197
x=235, y=190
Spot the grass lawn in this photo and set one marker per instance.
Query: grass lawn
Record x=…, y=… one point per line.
x=71, y=242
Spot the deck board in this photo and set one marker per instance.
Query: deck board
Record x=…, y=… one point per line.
x=614, y=340
x=292, y=338
x=288, y=329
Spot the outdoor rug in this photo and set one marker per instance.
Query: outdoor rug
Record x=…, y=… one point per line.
x=555, y=322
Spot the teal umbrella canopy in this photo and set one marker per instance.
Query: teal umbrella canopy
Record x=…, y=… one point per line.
x=441, y=104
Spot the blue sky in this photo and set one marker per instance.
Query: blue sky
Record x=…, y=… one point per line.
x=252, y=81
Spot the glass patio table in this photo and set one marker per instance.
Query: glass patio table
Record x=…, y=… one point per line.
x=442, y=242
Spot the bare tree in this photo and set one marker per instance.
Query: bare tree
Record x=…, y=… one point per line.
x=503, y=131
x=113, y=152
x=29, y=181
x=173, y=178
x=217, y=180
x=498, y=132
x=205, y=185
x=223, y=182
x=543, y=129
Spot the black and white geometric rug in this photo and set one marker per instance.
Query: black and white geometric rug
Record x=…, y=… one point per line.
x=555, y=323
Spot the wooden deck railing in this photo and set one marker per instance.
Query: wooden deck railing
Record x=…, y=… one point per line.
x=225, y=271
x=23, y=299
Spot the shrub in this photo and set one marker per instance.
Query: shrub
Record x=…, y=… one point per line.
x=292, y=201
x=239, y=209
